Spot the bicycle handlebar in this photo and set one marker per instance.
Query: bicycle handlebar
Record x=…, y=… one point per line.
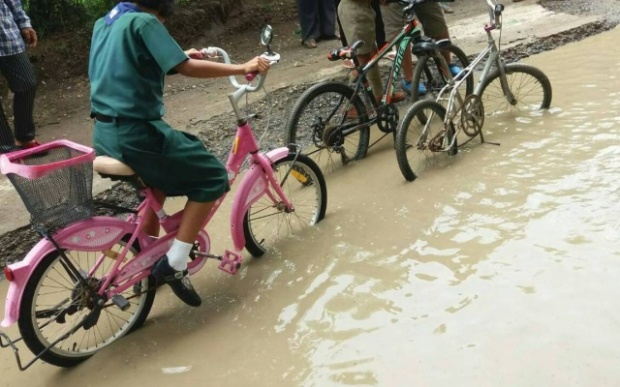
x=272, y=57
x=495, y=11
x=214, y=52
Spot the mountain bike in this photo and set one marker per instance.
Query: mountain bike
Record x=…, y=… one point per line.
x=431, y=127
x=332, y=119
x=87, y=283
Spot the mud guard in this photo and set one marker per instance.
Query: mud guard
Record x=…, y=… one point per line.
x=252, y=187
x=102, y=234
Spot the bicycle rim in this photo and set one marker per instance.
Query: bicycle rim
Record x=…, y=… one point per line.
x=530, y=87
x=329, y=127
x=53, y=304
x=418, y=141
x=267, y=222
x=428, y=80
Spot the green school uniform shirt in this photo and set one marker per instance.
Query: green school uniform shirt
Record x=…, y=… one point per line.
x=128, y=62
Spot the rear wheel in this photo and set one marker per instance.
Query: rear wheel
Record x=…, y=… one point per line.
x=428, y=79
x=330, y=125
x=266, y=222
x=419, y=141
x=529, y=86
x=53, y=304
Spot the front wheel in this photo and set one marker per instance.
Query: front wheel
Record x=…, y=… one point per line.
x=55, y=302
x=330, y=124
x=266, y=222
x=419, y=140
x=530, y=88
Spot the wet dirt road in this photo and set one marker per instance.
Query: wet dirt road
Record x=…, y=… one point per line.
x=498, y=268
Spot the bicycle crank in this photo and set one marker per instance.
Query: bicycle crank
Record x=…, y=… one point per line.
x=387, y=119
x=472, y=115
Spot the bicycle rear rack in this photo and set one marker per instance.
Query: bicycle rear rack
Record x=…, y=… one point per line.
x=11, y=343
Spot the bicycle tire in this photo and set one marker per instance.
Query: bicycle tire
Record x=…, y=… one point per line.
x=530, y=86
x=421, y=138
x=305, y=177
x=426, y=72
x=67, y=353
x=321, y=108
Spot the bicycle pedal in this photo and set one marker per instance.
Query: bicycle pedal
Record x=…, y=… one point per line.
x=231, y=262
x=121, y=302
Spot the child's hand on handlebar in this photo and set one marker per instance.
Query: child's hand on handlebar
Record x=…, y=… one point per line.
x=194, y=54
x=257, y=64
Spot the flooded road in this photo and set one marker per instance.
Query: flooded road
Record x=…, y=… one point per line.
x=498, y=268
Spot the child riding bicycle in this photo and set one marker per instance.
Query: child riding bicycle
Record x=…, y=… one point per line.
x=131, y=52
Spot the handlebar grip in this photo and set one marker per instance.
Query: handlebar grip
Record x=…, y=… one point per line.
x=334, y=55
x=339, y=54
x=250, y=76
x=209, y=52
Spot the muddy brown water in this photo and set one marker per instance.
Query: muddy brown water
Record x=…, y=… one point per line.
x=498, y=267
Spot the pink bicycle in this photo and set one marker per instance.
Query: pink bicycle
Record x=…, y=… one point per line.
x=87, y=282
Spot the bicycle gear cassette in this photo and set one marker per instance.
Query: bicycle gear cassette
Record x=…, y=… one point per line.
x=472, y=115
x=387, y=119
x=332, y=136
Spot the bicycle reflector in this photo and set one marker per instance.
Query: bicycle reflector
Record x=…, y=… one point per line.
x=8, y=273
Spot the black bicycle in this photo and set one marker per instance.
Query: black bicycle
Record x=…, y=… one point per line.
x=332, y=119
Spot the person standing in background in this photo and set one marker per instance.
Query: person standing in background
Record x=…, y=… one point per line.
x=358, y=22
x=379, y=30
x=15, y=33
x=317, y=19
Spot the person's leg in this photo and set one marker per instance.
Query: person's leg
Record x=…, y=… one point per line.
x=7, y=141
x=434, y=23
x=308, y=21
x=172, y=268
x=327, y=18
x=379, y=30
x=343, y=39
x=358, y=23
x=22, y=81
x=151, y=221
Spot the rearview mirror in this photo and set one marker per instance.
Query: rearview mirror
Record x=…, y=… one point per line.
x=266, y=35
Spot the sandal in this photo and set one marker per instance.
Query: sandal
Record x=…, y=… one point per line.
x=348, y=64
x=309, y=43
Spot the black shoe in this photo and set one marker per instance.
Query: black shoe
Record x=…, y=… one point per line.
x=178, y=281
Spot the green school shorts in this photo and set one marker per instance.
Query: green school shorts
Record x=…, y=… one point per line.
x=172, y=161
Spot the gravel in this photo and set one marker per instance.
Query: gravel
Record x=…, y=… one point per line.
x=273, y=111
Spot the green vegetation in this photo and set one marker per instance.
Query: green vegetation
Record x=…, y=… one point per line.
x=64, y=15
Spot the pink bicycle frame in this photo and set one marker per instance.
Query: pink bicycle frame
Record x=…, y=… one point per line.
x=103, y=232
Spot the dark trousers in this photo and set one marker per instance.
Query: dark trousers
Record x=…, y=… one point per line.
x=380, y=30
x=317, y=18
x=22, y=81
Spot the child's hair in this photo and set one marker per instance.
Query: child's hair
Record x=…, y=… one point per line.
x=164, y=8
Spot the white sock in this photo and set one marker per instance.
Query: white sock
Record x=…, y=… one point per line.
x=178, y=254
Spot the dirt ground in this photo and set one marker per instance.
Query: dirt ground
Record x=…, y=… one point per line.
x=62, y=106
